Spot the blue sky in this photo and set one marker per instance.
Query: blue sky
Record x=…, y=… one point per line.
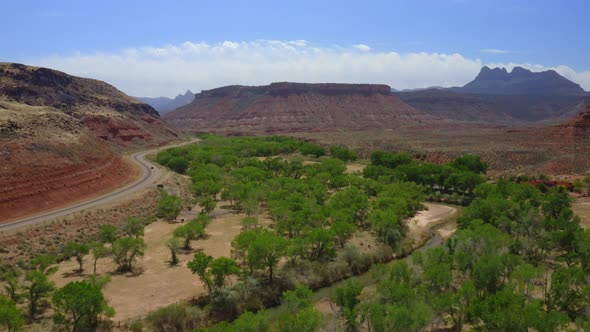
x=115, y=40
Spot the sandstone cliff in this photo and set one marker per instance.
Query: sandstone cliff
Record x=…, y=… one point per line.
x=295, y=107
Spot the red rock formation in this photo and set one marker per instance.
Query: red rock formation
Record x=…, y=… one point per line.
x=577, y=129
x=60, y=136
x=294, y=107
x=36, y=178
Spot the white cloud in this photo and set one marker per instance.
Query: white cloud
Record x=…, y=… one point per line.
x=170, y=69
x=362, y=47
x=494, y=51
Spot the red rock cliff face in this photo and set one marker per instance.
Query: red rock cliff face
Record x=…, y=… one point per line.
x=40, y=176
x=293, y=107
x=60, y=138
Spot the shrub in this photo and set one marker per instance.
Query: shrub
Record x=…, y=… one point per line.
x=175, y=317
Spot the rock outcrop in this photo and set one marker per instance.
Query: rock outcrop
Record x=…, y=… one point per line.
x=577, y=129
x=61, y=138
x=520, y=81
x=295, y=107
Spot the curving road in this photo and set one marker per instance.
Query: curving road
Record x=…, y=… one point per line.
x=150, y=174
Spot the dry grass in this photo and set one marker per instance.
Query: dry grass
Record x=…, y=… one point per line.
x=581, y=208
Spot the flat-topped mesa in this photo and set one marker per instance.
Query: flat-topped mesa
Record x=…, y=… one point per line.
x=289, y=88
x=296, y=107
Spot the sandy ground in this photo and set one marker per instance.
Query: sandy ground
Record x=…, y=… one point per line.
x=422, y=223
x=582, y=208
x=354, y=167
x=155, y=284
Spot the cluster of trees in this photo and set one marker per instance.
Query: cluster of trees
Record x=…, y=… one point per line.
x=519, y=262
x=459, y=176
x=316, y=207
x=298, y=315
x=78, y=306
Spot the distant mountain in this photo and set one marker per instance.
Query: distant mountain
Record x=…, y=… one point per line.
x=501, y=109
x=295, y=107
x=497, y=96
x=520, y=81
x=164, y=105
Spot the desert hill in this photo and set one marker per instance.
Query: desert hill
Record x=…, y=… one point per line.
x=296, y=107
x=497, y=96
x=164, y=105
x=61, y=137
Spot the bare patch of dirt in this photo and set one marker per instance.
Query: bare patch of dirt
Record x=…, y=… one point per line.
x=420, y=227
x=155, y=284
x=581, y=208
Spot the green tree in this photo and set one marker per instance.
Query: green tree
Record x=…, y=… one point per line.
x=347, y=299
x=134, y=227
x=78, y=306
x=126, y=250
x=343, y=231
x=212, y=272
x=98, y=250
x=200, y=266
x=320, y=243
x=390, y=159
x=343, y=153
x=266, y=250
x=172, y=245
x=78, y=251
x=221, y=268
x=207, y=204
x=192, y=230
x=178, y=164
x=299, y=314
x=38, y=288
x=10, y=316
x=108, y=234
x=471, y=163
x=169, y=207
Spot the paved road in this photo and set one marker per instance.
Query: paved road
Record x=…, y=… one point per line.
x=150, y=174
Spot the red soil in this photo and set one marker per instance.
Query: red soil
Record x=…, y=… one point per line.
x=34, y=180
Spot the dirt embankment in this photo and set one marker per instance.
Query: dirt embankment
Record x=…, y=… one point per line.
x=40, y=177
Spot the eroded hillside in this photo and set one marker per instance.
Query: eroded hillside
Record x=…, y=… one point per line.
x=61, y=138
x=296, y=107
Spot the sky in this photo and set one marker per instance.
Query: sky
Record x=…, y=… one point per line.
x=162, y=48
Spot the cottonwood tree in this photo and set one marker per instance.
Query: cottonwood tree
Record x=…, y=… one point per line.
x=299, y=315
x=37, y=287
x=134, y=227
x=97, y=250
x=212, y=272
x=10, y=316
x=78, y=251
x=347, y=299
x=108, y=234
x=266, y=250
x=126, y=250
x=78, y=306
x=172, y=245
x=192, y=230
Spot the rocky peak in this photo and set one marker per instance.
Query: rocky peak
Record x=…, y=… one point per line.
x=487, y=74
x=521, y=81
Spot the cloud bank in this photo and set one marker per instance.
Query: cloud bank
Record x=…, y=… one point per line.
x=171, y=69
